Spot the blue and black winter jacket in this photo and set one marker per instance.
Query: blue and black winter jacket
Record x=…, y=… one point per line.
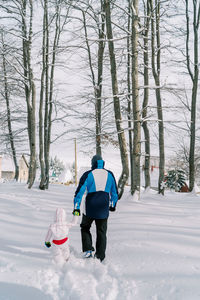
x=101, y=189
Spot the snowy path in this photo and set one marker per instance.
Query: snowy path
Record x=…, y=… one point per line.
x=153, y=249
x=90, y=279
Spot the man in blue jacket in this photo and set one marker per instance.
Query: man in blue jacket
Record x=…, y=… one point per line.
x=101, y=196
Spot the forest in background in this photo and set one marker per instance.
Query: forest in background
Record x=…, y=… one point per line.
x=136, y=67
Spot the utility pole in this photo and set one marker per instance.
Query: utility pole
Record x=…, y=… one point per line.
x=75, y=161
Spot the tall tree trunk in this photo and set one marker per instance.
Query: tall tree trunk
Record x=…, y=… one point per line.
x=101, y=47
x=135, y=185
x=7, y=98
x=42, y=89
x=146, y=95
x=129, y=110
x=156, y=53
x=47, y=89
x=32, y=165
x=51, y=87
x=30, y=91
x=46, y=106
x=118, y=118
x=194, y=74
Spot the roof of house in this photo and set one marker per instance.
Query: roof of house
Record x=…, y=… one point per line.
x=7, y=164
x=24, y=158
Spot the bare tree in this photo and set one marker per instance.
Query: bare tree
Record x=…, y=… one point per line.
x=6, y=96
x=43, y=180
x=97, y=83
x=129, y=88
x=135, y=185
x=49, y=55
x=146, y=93
x=194, y=75
x=26, y=11
x=20, y=12
x=156, y=68
x=118, y=118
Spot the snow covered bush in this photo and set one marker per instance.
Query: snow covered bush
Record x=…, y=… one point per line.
x=175, y=179
x=56, y=166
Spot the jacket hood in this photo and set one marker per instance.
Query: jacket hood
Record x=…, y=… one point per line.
x=97, y=162
x=60, y=216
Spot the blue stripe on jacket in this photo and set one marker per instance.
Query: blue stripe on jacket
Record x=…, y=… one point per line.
x=101, y=189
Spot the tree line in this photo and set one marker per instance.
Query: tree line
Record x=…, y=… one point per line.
x=124, y=46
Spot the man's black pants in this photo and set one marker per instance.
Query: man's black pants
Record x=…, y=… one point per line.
x=101, y=229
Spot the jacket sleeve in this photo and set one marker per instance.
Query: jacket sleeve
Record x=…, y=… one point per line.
x=49, y=235
x=113, y=192
x=74, y=221
x=80, y=191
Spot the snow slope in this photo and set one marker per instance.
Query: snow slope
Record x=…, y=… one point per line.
x=153, y=248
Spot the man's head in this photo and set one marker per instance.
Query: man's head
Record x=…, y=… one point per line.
x=94, y=160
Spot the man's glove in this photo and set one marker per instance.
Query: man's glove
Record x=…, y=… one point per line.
x=48, y=244
x=76, y=212
x=112, y=208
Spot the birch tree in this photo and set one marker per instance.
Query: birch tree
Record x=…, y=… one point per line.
x=146, y=92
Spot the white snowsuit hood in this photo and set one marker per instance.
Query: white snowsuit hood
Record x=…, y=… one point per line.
x=60, y=228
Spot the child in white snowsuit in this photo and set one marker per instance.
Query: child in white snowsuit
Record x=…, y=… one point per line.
x=58, y=234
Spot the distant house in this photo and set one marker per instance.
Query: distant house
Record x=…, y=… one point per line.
x=7, y=168
x=23, y=169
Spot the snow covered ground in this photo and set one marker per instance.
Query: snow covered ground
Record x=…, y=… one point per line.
x=153, y=248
